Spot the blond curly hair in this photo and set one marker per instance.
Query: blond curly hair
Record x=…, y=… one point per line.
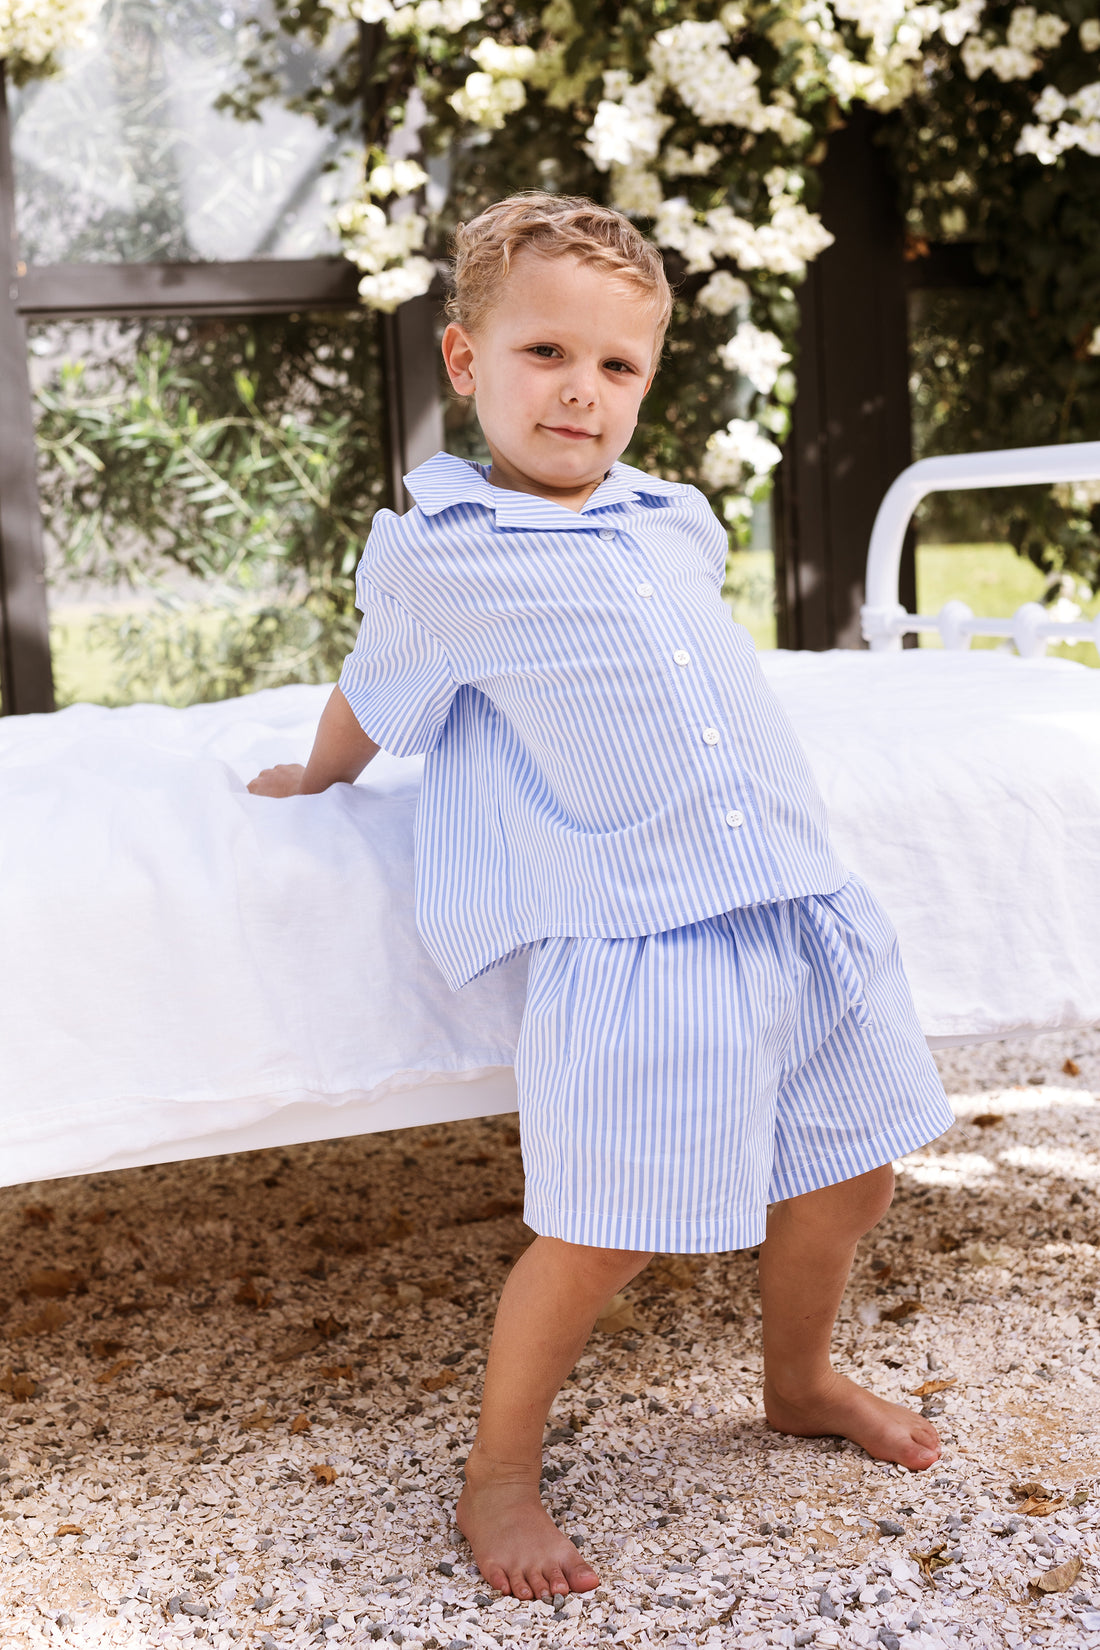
x=553, y=226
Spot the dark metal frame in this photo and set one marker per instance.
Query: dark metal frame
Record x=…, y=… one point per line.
x=414, y=422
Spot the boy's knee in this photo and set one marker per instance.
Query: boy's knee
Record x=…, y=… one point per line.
x=851, y=1207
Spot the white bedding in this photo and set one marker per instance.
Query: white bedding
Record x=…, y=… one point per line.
x=184, y=967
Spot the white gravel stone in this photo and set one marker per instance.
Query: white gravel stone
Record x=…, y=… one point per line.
x=185, y=1346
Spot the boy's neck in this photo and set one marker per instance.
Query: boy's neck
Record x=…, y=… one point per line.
x=570, y=498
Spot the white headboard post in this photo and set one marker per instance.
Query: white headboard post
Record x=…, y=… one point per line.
x=885, y=621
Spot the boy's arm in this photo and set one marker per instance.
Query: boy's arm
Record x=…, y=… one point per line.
x=341, y=750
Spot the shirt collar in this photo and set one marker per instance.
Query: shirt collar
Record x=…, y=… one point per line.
x=445, y=481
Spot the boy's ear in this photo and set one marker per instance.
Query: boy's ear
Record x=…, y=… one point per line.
x=458, y=358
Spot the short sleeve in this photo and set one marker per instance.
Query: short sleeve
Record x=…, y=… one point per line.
x=397, y=678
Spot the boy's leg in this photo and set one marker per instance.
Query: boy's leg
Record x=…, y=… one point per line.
x=550, y=1302
x=804, y=1266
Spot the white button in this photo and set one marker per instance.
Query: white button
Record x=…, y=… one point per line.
x=606, y=533
x=735, y=817
x=643, y=590
x=711, y=736
x=681, y=658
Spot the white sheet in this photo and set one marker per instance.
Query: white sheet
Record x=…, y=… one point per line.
x=179, y=959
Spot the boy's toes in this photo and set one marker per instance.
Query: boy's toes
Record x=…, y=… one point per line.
x=582, y=1577
x=556, y=1583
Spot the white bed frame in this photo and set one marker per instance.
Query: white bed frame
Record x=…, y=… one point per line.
x=885, y=622
x=1031, y=627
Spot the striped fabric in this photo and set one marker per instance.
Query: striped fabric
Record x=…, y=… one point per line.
x=604, y=757
x=672, y=1086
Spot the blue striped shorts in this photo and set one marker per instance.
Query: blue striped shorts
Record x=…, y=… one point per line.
x=673, y=1085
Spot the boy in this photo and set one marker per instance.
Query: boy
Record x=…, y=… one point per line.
x=717, y=1020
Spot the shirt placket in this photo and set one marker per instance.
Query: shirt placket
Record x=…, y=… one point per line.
x=704, y=726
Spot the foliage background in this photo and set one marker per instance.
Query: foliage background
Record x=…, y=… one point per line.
x=245, y=457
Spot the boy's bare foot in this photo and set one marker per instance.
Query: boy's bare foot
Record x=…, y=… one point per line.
x=518, y=1547
x=889, y=1432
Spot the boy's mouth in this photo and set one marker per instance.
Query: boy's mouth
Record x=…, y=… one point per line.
x=570, y=432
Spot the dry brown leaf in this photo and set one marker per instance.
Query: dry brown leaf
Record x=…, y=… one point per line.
x=1071, y=1068
x=249, y=1294
x=38, y=1214
x=328, y=1327
x=163, y=1392
x=70, y=1529
x=295, y=1349
x=1079, y=1498
x=323, y=1473
x=259, y=1421
x=169, y=1280
x=336, y=1372
x=947, y=1243
x=904, y=1309
x=115, y=1369
x=617, y=1314
x=436, y=1383
x=672, y=1272
x=1061, y=1578
x=305, y=1213
x=579, y=1419
x=51, y=1317
x=396, y=1228
x=436, y=1288
x=1038, y=1502
x=20, y=1386
x=55, y=1284
x=987, y=1119
x=932, y=1560
x=299, y=1424
x=107, y=1349
x=926, y=1388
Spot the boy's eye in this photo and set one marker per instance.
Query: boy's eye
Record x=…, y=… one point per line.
x=546, y=352
x=618, y=366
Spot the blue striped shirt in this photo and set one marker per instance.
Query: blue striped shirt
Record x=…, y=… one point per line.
x=604, y=758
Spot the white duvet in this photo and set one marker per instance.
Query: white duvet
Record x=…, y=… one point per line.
x=179, y=959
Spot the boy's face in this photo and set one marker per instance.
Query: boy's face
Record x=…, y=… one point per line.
x=558, y=370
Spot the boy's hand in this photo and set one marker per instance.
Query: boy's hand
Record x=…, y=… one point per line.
x=283, y=780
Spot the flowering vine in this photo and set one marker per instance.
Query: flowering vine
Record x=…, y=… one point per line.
x=32, y=32
x=707, y=122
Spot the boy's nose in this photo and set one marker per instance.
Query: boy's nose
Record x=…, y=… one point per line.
x=580, y=392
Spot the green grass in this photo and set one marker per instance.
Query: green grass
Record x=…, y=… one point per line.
x=994, y=581
x=750, y=594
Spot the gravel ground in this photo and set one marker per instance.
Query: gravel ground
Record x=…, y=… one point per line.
x=234, y=1395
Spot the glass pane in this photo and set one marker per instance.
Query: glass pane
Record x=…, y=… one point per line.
x=206, y=490
x=124, y=158
x=966, y=540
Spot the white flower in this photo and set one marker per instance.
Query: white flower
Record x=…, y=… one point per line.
x=722, y=293
x=487, y=101
x=757, y=355
x=693, y=163
x=627, y=128
x=635, y=191
x=392, y=287
x=738, y=447
x=1050, y=104
x=963, y=20
x=677, y=226
x=1038, y=141
x=33, y=31
x=373, y=241
x=396, y=177
x=1089, y=35
x=503, y=61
